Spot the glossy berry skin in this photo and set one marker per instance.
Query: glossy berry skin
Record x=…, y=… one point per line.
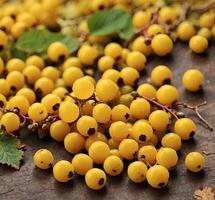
x=87, y=125
x=36, y=61
x=167, y=157
x=128, y=149
x=95, y=179
x=141, y=45
x=194, y=162
x=159, y=120
x=95, y=150
x=157, y=176
x=198, y=44
x=74, y=142
x=161, y=75
x=4, y=87
x=105, y=63
x=185, y=30
x=63, y=171
x=172, y=140
x=58, y=130
x=68, y=111
x=20, y=102
x=141, y=18
x=129, y=75
x=119, y=130
x=147, y=90
x=83, y=88
x=31, y=73
x=82, y=163
x=162, y=45
x=137, y=171
x=16, y=80
x=113, y=165
x=207, y=19
x=71, y=74
x=136, y=60
x=43, y=159
x=15, y=64
x=57, y=51
x=43, y=86
x=93, y=138
x=106, y=90
x=120, y=113
x=185, y=128
x=10, y=122
x=17, y=29
x=140, y=108
x=111, y=74
x=60, y=92
x=102, y=113
x=155, y=29
x=87, y=54
x=113, y=50
x=37, y=112
x=147, y=154
x=167, y=95
x=71, y=61
x=115, y=152
x=142, y=131
x=167, y=15
x=193, y=80
x=51, y=102
x=51, y=73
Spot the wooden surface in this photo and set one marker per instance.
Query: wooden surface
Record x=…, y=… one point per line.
x=31, y=183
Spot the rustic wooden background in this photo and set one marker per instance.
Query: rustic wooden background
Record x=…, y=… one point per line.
x=31, y=183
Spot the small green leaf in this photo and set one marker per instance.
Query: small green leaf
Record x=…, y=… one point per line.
x=10, y=153
x=38, y=40
x=127, y=32
x=111, y=21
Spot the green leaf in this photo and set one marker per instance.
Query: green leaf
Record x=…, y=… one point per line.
x=127, y=32
x=38, y=40
x=10, y=153
x=111, y=21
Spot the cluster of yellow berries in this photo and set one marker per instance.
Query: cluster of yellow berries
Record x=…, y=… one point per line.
x=112, y=117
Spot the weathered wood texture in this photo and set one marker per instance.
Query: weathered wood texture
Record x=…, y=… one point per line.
x=31, y=183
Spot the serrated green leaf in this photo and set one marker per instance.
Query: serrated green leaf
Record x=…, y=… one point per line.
x=36, y=41
x=111, y=21
x=10, y=154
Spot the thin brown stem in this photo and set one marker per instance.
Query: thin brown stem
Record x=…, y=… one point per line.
x=154, y=102
x=196, y=110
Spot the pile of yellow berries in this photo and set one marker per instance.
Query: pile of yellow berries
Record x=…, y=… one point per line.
x=107, y=118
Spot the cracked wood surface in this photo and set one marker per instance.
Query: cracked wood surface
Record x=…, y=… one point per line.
x=31, y=183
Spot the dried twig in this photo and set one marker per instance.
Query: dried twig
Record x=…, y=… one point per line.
x=196, y=109
x=154, y=102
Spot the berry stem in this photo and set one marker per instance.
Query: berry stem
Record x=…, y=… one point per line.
x=154, y=102
x=196, y=109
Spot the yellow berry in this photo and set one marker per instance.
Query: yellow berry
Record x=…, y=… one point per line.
x=137, y=171
x=95, y=179
x=194, y=161
x=157, y=176
x=193, y=80
x=63, y=171
x=43, y=159
x=82, y=163
x=198, y=44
